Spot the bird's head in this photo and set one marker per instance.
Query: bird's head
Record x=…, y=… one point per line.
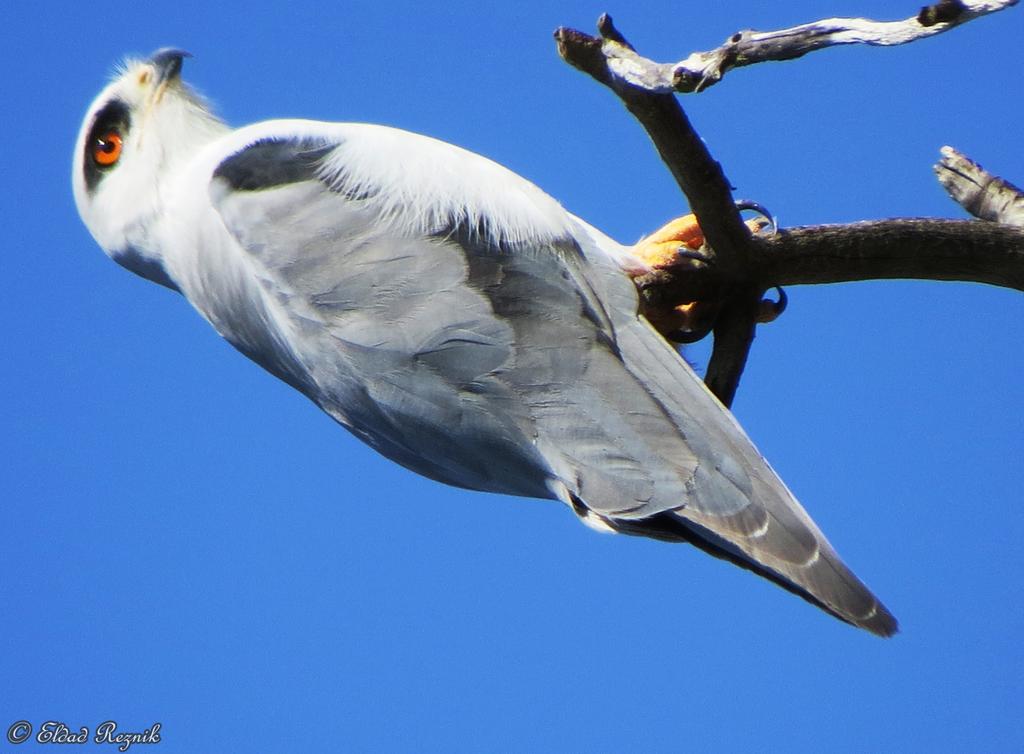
x=140, y=129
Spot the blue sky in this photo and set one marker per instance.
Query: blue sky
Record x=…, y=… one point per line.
x=187, y=540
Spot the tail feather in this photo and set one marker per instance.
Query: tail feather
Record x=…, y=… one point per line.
x=851, y=603
x=665, y=459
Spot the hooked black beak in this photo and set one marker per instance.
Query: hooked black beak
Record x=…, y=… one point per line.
x=167, y=62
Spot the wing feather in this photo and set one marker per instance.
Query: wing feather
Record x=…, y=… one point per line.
x=454, y=317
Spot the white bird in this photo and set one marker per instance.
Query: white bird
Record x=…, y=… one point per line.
x=447, y=312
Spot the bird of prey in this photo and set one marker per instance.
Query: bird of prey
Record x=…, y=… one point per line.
x=445, y=311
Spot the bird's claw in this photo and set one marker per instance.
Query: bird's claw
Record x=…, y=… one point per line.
x=682, y=239
x=768, y=310
x=679, y=239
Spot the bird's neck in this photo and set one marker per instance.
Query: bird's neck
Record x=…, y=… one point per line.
x=183, y=134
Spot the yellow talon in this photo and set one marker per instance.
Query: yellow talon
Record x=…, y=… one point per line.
x=661, y=250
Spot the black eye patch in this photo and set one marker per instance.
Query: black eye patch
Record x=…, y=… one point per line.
x=114, y=116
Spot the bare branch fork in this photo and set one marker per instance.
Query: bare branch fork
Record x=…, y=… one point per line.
x=703, y=69
x=739, y=267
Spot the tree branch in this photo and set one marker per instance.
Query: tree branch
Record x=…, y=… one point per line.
x=984, y=195
x=698, y=175
x=734, y=336
x=920, y=249
x=740, y=267
x=703, y=69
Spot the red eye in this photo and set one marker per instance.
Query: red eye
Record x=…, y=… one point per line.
x=106, y=150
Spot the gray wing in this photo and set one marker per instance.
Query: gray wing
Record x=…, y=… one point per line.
x=508, y=356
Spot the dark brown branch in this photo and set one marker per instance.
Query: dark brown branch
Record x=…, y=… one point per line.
x=697, y=173
x=734, y=335
x=922, y=249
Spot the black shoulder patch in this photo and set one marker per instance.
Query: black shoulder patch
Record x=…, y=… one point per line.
x=274, y=162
